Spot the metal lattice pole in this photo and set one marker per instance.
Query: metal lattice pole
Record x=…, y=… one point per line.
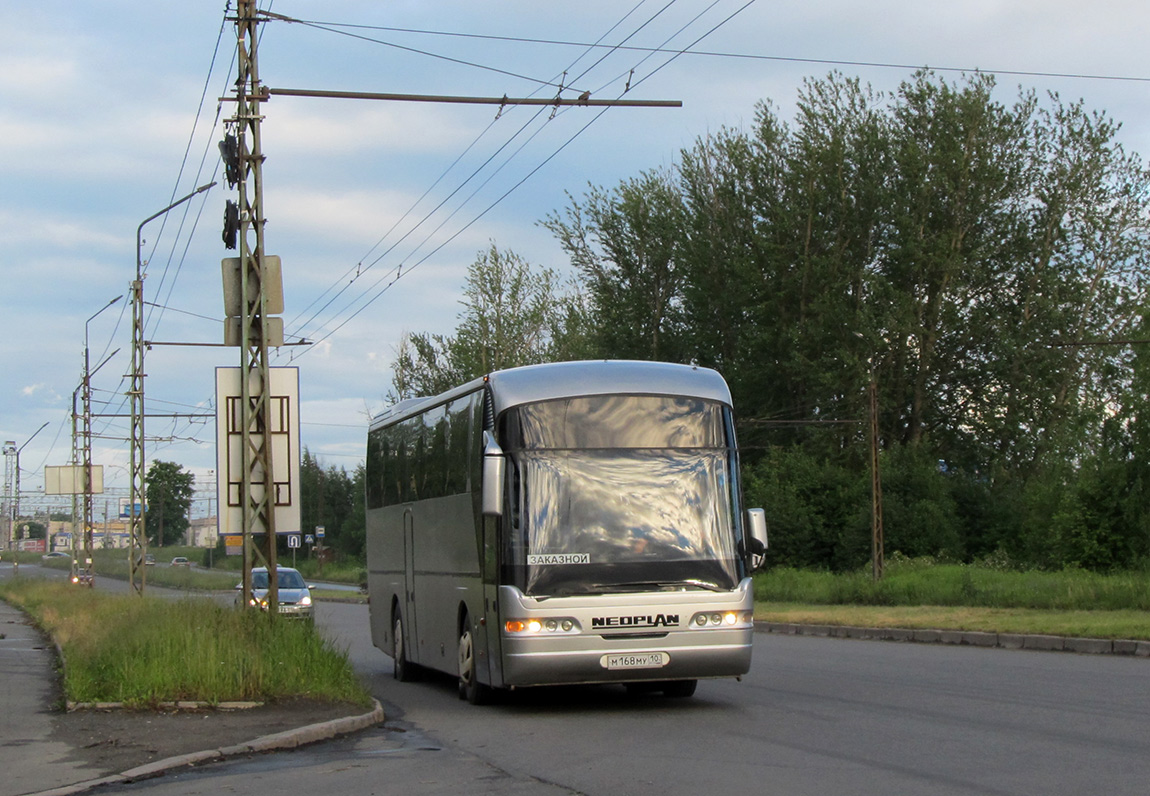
x=138, y=537
x=258, y=484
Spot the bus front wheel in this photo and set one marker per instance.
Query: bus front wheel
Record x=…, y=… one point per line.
x=469, y=686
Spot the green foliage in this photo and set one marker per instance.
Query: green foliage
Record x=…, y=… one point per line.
x=170, y=490
x=919, y=511
x=923, y=582
x=939, y=241
x=626, y=243
x=817, y=512
x=143, y=651
x=28, y=528
x=513, y=314
x=331, y=498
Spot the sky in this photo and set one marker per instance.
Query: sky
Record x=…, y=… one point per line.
x=109, y=113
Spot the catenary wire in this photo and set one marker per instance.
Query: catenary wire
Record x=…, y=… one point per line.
x=360, y=270
x=514, y=187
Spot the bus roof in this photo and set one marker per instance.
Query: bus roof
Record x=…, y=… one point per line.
x=600, y=377
x=549, y=381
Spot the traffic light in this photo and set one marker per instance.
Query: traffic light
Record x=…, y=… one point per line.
x=230, y=154
x=231, y=224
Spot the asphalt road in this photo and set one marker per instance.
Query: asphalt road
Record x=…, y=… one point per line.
x=815, y=716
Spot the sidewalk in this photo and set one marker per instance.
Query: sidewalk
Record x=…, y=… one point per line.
x=30, y=762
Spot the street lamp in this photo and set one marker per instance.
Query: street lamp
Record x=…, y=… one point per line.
x=87, y=404
x=13, y=515
x=138, y=543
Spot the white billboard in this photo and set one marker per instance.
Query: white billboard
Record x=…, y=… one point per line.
x=283, y=419
x=68, y=479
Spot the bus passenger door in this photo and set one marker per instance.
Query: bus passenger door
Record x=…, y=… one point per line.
x=409, y=597
x=491, y=637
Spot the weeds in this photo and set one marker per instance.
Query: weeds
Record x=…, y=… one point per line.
x=143, y=651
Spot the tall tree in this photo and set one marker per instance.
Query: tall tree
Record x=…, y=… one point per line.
x=170, y=489
x=954, y=248
x=330, y=498
x=626, y=245
x=513, y=314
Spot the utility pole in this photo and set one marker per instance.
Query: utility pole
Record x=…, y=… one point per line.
x=877, y=554
x=86, y=386
x=16, y=501
x=257, y=491
x=244, y=158
x=9, y=461
x=138, y=538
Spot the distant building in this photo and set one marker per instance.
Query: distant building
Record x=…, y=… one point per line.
x=203, y=532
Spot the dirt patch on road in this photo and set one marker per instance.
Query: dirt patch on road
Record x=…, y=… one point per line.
x=113, y=741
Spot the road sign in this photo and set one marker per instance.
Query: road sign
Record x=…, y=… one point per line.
x=293, y=540
x=319, y=531
x=309, y=539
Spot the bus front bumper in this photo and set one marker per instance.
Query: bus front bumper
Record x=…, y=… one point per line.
x=677, y=655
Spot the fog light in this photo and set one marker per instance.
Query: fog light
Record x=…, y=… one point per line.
x=533, y=626
x=731, y=618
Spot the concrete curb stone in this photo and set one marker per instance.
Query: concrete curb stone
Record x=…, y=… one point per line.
x=290, y=739
x=979, y=639
x=1010, y=641
x=1048, y=643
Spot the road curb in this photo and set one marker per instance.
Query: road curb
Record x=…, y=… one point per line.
x=1013, y=641
x=289, y=739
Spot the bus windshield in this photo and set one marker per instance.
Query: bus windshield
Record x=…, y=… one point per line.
x=621, y=493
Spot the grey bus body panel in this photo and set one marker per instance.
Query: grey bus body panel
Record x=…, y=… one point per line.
x=426, y=573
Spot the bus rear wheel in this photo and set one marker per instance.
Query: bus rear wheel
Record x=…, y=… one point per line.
x=469, y=686
x=402, y=668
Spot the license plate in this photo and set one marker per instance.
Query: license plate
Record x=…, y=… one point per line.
x=642, y=660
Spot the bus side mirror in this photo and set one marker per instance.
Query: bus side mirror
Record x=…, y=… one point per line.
x=757, y=524
x=493, y=474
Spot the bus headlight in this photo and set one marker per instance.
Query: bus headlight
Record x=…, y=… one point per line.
x=723, y=619
x=540, y=626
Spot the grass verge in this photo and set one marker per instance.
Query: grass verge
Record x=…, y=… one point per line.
x=921, y=594
x=912, y=583
x=144, y=651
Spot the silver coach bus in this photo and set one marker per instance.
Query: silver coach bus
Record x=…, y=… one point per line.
x=577, y=522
